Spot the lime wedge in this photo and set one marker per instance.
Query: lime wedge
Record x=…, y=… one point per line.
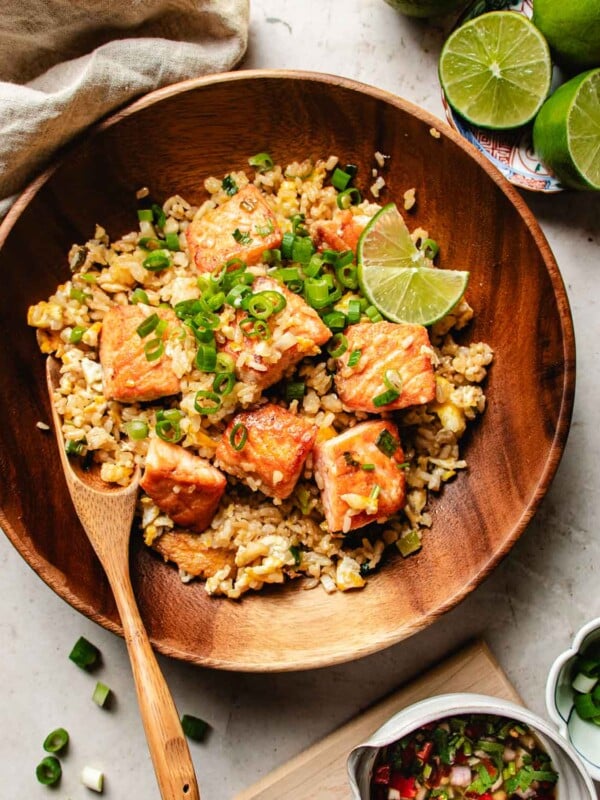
x=393, y=274
x=495, y=70
x=566, y=132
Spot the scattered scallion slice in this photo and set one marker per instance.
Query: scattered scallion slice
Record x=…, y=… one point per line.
x=194, y=727
x=287, y=243
x=73, y=448
x=160, y=217
x=238, y=436
x=206, y=357
x=393, y=380
x=172, y=241
x=56, y=741
x=101, y=694
x=148, y=325
x=337, y=345
x=153, y=349
x=76, y=334
x=137, y=429
x=368, y=467
x=354, y=358
x=430, y=248
x=229, y=186
x=145, y=215
x=85, y=654
x=335, y=320
x=409, y=543
x=340, y=179
x=349, y=197
x=294, y=390
x=214, y=402
x=223, y=383
x=386, y=443
x=48, y=771
x=139, y=296
x=157, y=260
x=93, y=779
x=385, y=398
x=241, y=237
x=262, y=162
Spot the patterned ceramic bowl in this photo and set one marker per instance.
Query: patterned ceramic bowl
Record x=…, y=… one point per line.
x=583, y=736
x=510, y=151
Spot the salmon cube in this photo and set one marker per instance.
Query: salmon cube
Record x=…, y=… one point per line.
x=342, y=232
x=191, y=553
x=294, y=332
x=401, y=350
x=186, y=487
x=273, y=446
x=360, y=475
x=128, y=375
x=243, y=227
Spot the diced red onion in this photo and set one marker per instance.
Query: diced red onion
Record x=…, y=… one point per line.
x=460, y=775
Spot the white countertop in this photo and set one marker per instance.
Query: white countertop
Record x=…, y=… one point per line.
x=527, y=610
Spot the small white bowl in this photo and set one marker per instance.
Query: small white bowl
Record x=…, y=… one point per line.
x=583, y=736
x=574, y=782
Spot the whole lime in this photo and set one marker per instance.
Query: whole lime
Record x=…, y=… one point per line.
x=572, y=28
x=425, y=8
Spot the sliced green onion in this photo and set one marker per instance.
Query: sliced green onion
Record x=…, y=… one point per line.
x=139, y=296
x=375, y=492
x=298, y=226
x=145, y=215
x=304, y=499
x=286, y=274
x=237, y=295
x=287, y=244
x=353, y=312
x=330, y=257
x=153, y=349
x=296, y=555
x=206, y=357
x=337, y=345
x=216, y=301
x=88, y=277
x=137, y=429
x=157, y=260
x=302, y=249
x=147, y=326
x=223, y=383
x=393, y=380
x=344, y=258
x=159, y=215
x=76, y=334
x=73, y=448
x=194, y=727
x=255, y=328
x=262, y=162
x=340, y=179
x=373, y=314
x=314, y=266
x=317, y=292
x=93, y=779
x=586, y=707
x=430, y=248
x=229, y=186
x=150, y=243
x=78, y=294
x=238, y=436
x=172, y=241
x=172, y=414
x=84, y=654
x=294, y=390
x=213, y=406
x=347, y=198
x=386, y=443
x=347, y=275
x=367, y=467
x=277, y=299
x=354, y=358
x=225, y=363
x=241, y=237
x=168, y=430
x=56, y=741
x=48, y=771
x=101, y=694
x=335, y=320
x=409, y=543
x=272, y=257
x=385, y=398
x=263, y=304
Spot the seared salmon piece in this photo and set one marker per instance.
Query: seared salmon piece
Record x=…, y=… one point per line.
x=342, y=232
x=192, y=554
x=295, y=332
x=402, y=349
x=359, y=475
x=128, y=375
x=243, y=227
x=186, y=487
x=273, y=446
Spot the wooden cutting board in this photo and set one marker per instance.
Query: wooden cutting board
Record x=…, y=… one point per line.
x=319, y=773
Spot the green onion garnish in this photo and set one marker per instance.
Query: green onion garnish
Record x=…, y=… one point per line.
x=157, y=261
x=213, y=399
x=255, y=328
x=263, y=304
x=393, y=380
x=172, y=241
x=167, y=425
x=335, y=320
x=229, y=186
x=430, y=248
x=92, y=779
x=84, y=654
x=56, y=741
x=223, y=383
x=354, y=358
x=302, y=249
x=238, y=436
x=286, y=274
x=347, y=275
x=148, y=325
x=225, y=363
x=296, y=554
x=48, y=771
x=241, y=238
x=317, y=292
x=386, y=443
x=373, y=314
x=216, y=301
x=287, y=244
x=101, y=694
x=337, y=345
x=261, y=162
x=367, y=467
x=159, y=215
x=586, y=707
x=206, y=357
x=294, y=390
x=409, y=543
x=88, y=277
x=153, y=349
x=73, y=448
x=385, y=398
x=137, y=429
x=375, y=492
x=78, y=294
x=237, y=294
x=340, y=179
x=139, y=296
x=150, y=243
x=298, y=226
x=145, y=215
x=347, y=198
x=314, y=266
x=76, y=334
x=194, y=727
x=353, y=312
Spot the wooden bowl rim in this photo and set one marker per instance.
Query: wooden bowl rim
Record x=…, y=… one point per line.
x=53, y=578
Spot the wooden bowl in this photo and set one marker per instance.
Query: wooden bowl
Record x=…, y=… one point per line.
x=169, y=141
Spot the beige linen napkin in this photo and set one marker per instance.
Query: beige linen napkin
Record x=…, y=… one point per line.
x=66, y=63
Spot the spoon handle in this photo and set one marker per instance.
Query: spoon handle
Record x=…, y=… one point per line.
x=167, y=744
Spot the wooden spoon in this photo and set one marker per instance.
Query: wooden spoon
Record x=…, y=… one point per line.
x=106, y=514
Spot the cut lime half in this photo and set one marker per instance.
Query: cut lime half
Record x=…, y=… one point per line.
x=495, y=70
x=394, y=275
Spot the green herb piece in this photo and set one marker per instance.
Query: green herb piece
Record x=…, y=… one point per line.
x=241, y=238
x=194, y=727
x=386, y=443
x=229, y=186
x=56, y=741
x=48, y=771
x=101, y=694
x=85, y=654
